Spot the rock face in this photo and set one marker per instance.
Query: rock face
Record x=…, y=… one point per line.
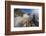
x=35, y=14
x=23, y=21
x=18, y=12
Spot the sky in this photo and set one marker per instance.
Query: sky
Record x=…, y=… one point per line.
x=26, y=10
x=29, y=11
